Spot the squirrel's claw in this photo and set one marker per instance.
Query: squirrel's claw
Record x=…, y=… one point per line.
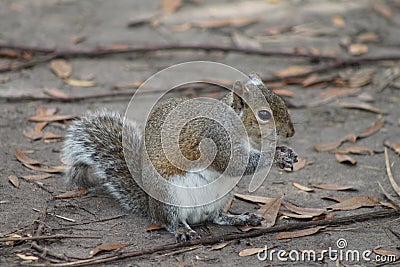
x=285, y=157
x=186, y=234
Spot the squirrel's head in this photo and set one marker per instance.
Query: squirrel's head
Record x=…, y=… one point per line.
x=262, y=111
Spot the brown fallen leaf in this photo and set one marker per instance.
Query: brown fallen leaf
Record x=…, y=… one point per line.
x=305, y=211
x=382, y=9
x=127, y=85
x=332, y=145
x=332, y=187
x=325, y=217
x=37, y=177
x=220, y=246
x=361, y=106
x=333, y=198
x=355, y=78
x=61, y=68
x=76, y=39
x=379, y=123
x=394, y=146
x=236, y=22
x=292, y=70
x=338, y=21
x=80, y=83
x=52, y=118
x=24, y=158
x=72, y=194
x=295, y=215
x=153, y=227
x=14, y=181
x=106, y=247
x=389, y=205
x=26, y=257
x=357, y=49
x=269, y=211
x=355, y=203
x=317, y=79
x=34, y=135
x=170, y=6
x=251, y=251
x=368, y=37
x=394, y=184
x=361, y=150
x=344, y=158
x=54, y=169
x=385, y=252
x=55, y=93
x=339, y=92
x=299, y=233
x=51, y=135
x=302, y=187
x=9, y=54
x=283, y=92
x=254, y=199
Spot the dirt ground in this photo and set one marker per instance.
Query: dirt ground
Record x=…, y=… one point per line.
x=328, y=27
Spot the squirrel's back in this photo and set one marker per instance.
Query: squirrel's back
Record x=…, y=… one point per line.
x=94, y=152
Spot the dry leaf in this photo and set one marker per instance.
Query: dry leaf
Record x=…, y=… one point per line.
x=300, y=164
x=80, y=83
x=54, y=169
x=361, y=106
x=53, y=92
x=317, y=79
x=304, y=211
x=269, y=211
x=384, y=252
x=368, y=37
x=153, y=227
x=61, y=68
x=283, y=92
x=9, y=54
x=300, y=233
x=394, y=146
x=52, y=118
x=34, y=135
x=254, y=199
x=389, y=205
x=219, y=246
x=357, y=49
x=170, y=6
x=292, y=70
x=361, y=150
x=302, y=187
x=355, y=203
x=339, y=92
x=51, y=135
x=338, y=21
x=295, y=215
x=325, y=217
x=332, y=187
x=127, y=85
x=27, y=257
x=376, y=127
x=333, y=198
x=37, y=177
x=24, y=158
x=382, y=9
x=389, y=173
x=236, y=22
x=14, y=180
x=344, y=158
x=106, y=247
x=72, y=194
x=251, y=251
x=77, y=39
x=45, y=111
x=327, y=146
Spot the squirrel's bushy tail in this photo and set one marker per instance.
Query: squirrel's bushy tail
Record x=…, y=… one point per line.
x=94, y=153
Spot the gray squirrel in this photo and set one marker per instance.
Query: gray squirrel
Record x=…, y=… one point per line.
x=93, y=149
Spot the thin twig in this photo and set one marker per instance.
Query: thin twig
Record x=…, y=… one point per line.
x=223, y=238
x=389, y=173
x=43, y=237
x=55, y=215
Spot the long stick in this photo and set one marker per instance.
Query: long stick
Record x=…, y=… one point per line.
x=212, y=240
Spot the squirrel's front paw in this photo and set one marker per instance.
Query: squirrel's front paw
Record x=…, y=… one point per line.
x=252, y=219
x=285, y=157
x=186, y=234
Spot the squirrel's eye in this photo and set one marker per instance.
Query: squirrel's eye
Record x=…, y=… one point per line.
x=264, y=115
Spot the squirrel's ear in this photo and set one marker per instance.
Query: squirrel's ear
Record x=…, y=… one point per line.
x=239, y=91
x=256, y=80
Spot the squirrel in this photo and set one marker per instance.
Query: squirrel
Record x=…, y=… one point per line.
x=94, y=151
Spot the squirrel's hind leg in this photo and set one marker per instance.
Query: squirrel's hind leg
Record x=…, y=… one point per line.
x=224, y=218
x=183, y=232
